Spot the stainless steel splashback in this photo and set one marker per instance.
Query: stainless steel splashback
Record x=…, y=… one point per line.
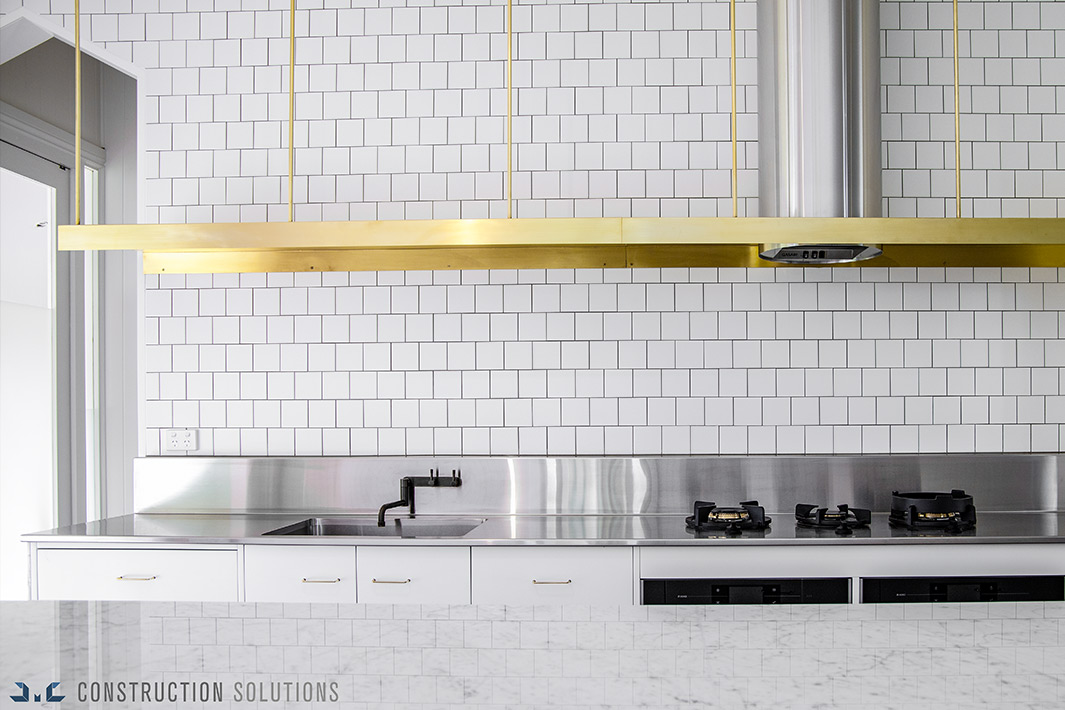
x=556, y=486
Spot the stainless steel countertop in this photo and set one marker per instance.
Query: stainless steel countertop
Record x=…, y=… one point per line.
x=992, y=527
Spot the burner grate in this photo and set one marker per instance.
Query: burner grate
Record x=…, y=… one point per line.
x=708, y=517
x=952, y=512
x=843, y=520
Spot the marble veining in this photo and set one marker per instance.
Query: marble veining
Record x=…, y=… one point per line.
x=432, y=657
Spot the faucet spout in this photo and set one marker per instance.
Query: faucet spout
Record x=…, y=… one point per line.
x=407, y=484
x=406, y=499
x=386, y=506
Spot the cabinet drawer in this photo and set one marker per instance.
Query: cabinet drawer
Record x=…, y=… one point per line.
x=413, y=575
x=138, y=575
x=552, y=575
x=297, y=573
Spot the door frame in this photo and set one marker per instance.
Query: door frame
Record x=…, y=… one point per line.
x=120, y=292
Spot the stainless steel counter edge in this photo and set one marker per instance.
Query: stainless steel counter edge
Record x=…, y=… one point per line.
x=564, y=530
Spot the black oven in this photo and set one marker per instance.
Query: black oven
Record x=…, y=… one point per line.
x=923, y=590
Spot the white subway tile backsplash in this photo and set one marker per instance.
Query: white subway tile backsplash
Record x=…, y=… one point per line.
x=620, y=375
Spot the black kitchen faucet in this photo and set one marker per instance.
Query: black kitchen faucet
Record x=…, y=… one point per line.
x=407, y=484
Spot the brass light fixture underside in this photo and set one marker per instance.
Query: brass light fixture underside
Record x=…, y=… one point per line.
x=566, y=243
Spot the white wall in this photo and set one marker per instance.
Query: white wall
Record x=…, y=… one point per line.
x=1012, y=76
x=54, y=102
x=621, y=109
x=616, y=361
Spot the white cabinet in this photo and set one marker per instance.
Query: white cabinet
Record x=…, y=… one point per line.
x=299, y=573
x=849, y=561
x=390, y=574
x=552, y=575
x=139, y=574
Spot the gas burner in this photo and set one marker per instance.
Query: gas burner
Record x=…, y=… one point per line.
x=733, y=521
x=842, y=521
x=952, y=512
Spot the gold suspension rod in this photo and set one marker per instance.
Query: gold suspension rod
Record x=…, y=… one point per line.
x=291, y=104
x=510, y=110
x=735, y=177
x=77, y=112
x=957, y=121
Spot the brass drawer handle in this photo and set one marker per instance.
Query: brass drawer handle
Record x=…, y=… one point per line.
x=390, y=581
x=124, y=578
x=568, y=581
x=320, y=581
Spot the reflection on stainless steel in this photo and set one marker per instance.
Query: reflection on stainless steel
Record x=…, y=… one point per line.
x=933, y=532
x=828, y=533
x=238, y=528
x=729, y=534
x=368, y=527
x=599, y=486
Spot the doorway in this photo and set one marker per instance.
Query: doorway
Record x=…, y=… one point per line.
x=34, y=199
x=97, y=366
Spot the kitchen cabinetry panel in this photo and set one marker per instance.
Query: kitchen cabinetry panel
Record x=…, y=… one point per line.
x=286, y=573
x=139, y=575
x=552, y=575
x=850, y=561
x=413, y=575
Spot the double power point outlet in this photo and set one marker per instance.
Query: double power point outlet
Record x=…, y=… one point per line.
x=181, y=439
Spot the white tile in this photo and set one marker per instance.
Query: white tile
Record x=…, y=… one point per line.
x=266, y=301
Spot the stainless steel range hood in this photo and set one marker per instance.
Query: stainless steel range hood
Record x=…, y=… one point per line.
x=819, y=114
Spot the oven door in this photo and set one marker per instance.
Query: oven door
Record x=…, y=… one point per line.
x=933, y=571
x=746, y=591
x=925, y=590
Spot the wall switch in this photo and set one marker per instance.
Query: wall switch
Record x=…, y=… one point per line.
x=181, y=439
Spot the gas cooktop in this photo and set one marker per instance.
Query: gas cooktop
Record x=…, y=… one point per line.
x=917, y=514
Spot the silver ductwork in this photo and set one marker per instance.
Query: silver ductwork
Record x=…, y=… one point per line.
x=819, y=108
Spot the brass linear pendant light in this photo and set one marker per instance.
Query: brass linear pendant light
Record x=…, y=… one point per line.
x=559, y=243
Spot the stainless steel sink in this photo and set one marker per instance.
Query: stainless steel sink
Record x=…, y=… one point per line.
x=394, y=527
